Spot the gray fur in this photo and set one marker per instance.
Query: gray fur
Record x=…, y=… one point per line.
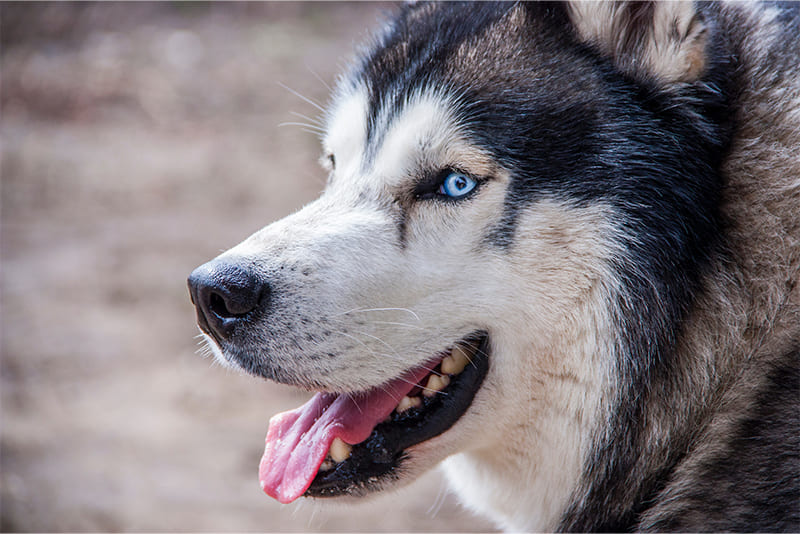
x=632, y=250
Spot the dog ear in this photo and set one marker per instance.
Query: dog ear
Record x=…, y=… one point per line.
x=665, y=41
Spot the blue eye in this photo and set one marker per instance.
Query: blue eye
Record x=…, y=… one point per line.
x=456, y=185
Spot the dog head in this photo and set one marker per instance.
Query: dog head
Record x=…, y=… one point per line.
x=490, y=181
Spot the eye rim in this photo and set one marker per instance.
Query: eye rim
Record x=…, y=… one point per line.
x=432, y=187
x=328, y=161
x=472, y=183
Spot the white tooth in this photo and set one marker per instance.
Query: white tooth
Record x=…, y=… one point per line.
x=436, y=383
x=339, y=451
x=407, y=403
x=327, y=465
x=457, y=360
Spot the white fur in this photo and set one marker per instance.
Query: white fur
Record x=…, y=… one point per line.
x=355, y=309
x=553, y=373
x=520, y=447
x=347, y=131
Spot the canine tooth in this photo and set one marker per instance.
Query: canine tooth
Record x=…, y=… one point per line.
x=436, y=383
x=457, y=360
x=340, y=451
x=407, y=403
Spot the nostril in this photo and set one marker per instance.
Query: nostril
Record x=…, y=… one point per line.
x=224, y=294
x=219, y=307
x=216, y=304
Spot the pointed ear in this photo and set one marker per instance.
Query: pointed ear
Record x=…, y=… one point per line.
x=665, y=41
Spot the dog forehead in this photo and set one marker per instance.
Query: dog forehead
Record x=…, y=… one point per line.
x=431, y=81
x=411, y=137
x=415, y=138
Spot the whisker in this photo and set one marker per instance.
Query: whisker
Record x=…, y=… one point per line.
x=305, y=99
x=382, y=342
x=436, y=391
x=312, y=120
x=346, y=312
x=314, y=129
x=367, y=310
x=477, y=351
x=399, y=324
x=353, y=400
x=391, y=393
x=379, y=354
x=318, y=77
x=368, y=347
x=436, y=507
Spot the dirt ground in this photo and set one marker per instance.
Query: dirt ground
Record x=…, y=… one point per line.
x=137, y=141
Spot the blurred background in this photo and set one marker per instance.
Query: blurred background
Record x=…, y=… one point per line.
x=137, y=141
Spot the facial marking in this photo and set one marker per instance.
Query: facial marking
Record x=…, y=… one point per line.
x=416, y=139
x=347, y=132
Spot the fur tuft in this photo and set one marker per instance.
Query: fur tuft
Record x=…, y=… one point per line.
x=662, y=40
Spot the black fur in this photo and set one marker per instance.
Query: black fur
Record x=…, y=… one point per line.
x=571, y=126
x=752, y=482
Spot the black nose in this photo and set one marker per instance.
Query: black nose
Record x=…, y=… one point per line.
x=224, y=294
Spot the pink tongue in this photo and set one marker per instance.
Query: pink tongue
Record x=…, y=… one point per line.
x=298, y=440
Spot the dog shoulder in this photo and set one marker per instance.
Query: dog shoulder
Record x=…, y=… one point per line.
x=746, y=468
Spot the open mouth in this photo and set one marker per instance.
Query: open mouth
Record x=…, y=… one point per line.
x=350, y=444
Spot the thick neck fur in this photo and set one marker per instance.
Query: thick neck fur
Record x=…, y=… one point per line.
x=747, y=314
x=523, y=480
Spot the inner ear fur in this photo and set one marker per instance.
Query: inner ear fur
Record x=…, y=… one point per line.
x=664, y=41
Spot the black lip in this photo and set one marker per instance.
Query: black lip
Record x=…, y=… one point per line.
x=378, y=459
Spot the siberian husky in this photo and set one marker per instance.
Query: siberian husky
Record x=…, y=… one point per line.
x=558, y=251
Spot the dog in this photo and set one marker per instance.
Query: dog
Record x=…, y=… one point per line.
x=558, y=252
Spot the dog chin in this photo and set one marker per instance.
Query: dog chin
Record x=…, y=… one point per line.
x=211, y=348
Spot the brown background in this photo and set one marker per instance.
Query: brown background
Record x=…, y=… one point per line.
x=138, y=141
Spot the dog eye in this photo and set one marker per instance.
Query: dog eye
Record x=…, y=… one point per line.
x=457, y=185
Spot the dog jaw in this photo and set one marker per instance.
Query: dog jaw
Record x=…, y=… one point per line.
x=369, y=282
x=523, y=460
